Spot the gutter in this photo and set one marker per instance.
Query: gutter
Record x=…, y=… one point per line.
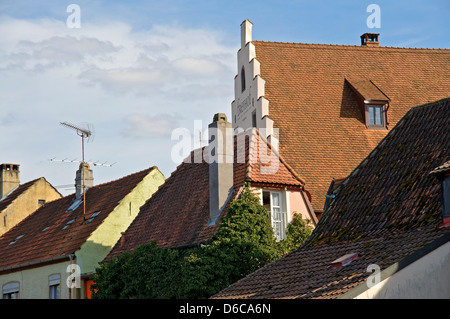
x=394, y=268
x=34, y=263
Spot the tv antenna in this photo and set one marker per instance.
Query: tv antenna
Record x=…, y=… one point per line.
x=84, y=133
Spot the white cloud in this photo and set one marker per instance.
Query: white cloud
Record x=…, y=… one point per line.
x=130, y=85
x=142, y=125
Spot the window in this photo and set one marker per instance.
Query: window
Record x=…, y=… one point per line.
x=273, y=201
x=16, y=239
x=242, y=79
x=94, y=215
x=254, y=119
x=41, y=202
x=11, y=290
x=68, y=223
x=54, y=282
x=375, y=115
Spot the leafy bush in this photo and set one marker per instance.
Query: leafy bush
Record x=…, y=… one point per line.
x=243, y=243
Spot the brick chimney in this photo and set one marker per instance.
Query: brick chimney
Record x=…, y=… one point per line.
x=220, y=159
x=83, y=180
x=370, y=39
x=9, y=178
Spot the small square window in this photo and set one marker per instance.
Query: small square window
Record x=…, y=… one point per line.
x=41, y=202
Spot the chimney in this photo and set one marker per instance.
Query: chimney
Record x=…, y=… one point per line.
x=9, y=178
x=83, y=180
x=246, y=32
x=220, y=159
x=370, y=39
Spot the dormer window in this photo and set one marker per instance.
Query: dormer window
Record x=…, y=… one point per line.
x=242, y=79
x=372, y=102
x=375, y=116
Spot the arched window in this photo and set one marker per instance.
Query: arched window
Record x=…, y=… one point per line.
x=242, y=79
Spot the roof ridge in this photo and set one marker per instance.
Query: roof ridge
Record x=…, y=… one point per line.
x=327, y=45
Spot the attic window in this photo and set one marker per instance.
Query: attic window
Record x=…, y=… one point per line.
x=242, y=79
x=16, y=239
x=375, y=115
x=74, y=205
x=373, y=103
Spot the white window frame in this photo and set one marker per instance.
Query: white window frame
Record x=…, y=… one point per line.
x=11, y=290
x=283, y=221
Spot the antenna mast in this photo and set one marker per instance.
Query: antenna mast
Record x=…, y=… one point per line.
x=84, y=134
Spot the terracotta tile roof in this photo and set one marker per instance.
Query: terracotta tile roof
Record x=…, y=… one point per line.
x=322, y=131
x=178, y=213
x=386, y=211
x=263, y=164
x=43, y=235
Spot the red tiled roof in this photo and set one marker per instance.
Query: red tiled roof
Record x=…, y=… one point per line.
x=263, y=164
x=178, y=213
x=322, y=131
x=43, y=235
x=388, y=209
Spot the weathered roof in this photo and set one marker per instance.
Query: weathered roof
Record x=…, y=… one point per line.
x=178, y=213
x=43, y=235
x=386, y=211
x=322, y=130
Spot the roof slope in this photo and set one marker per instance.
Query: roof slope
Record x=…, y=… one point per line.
x=178, y=213
x=43, y=234
x=386, y=210
x=322, y=130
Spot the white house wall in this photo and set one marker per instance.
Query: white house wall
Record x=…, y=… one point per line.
x=428, y=277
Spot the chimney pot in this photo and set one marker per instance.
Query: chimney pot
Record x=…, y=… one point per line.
x=370, y=39
x=9, y=178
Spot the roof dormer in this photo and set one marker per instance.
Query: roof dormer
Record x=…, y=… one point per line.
x=373, y=103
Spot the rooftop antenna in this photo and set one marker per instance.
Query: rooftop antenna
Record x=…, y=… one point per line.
x=84, y=133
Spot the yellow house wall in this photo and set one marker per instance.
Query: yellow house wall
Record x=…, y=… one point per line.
x=26, y=204
x=34, y=282
x=102, y=240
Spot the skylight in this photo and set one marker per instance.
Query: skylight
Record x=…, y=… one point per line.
x=68, y=223
x=74, y=205
x=93, y=216
x=16, y=239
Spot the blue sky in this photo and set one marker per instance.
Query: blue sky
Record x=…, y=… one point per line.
x=136, y=70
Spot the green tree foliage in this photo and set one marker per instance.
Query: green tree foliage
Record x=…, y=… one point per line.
x=243, y=243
